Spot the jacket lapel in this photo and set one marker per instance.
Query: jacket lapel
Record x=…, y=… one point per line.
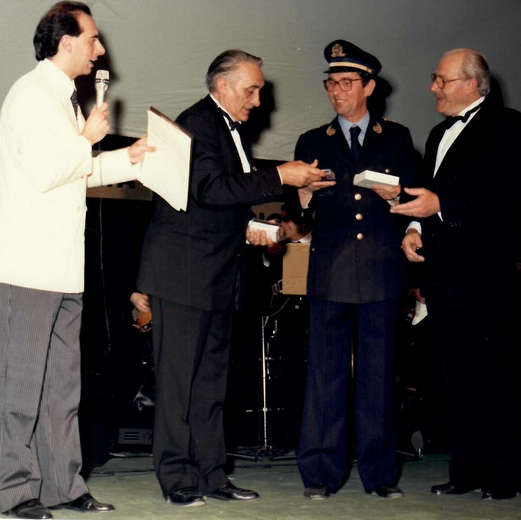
x=462, y=145
x=232, y=155
x=371, y=142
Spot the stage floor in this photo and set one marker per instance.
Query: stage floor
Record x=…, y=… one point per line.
x=130, y=484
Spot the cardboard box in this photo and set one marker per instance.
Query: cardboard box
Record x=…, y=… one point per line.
x=368, y=178
x=295, y=269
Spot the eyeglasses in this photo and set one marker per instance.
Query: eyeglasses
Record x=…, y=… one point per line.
x=442, y=82
x=345, y=84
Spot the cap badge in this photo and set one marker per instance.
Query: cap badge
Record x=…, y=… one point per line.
x=330, y=130
x=337, y=51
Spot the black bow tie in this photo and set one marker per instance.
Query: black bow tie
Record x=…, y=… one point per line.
x=234, y=125
x=450, y=120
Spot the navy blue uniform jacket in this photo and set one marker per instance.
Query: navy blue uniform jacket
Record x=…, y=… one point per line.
x=372, y=267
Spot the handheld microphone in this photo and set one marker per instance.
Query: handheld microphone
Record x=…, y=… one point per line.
x=101, y=84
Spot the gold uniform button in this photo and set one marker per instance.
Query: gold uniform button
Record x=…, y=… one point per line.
x=359, y=216
x=358, y=196
x=360, y=236
x=387, y=170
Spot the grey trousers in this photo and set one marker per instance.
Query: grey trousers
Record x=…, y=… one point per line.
x=40, y=454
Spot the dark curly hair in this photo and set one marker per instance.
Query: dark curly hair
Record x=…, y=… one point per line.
x=57, y=22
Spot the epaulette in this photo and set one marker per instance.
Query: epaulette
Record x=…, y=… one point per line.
x=331, y=130
x=377, y=128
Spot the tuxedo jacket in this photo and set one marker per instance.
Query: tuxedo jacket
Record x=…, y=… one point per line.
x=472, y=249
x=192, y=257
x=355, y=251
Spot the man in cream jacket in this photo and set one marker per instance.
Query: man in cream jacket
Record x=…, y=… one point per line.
x=46, y=165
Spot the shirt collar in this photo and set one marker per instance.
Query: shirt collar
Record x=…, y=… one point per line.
x=363, y=123
x=471, y=106
x=222, y=108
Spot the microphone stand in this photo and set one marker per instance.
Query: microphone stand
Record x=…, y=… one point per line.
x=266, y=449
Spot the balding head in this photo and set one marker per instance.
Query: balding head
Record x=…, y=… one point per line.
x=474, y=65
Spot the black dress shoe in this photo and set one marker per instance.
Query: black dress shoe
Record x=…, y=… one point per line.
x=388, y=492
x=230, y=492
x=497, y=495
x=30, y=509
x=316, y=493
x=87, y=503
x=448, y=488
x=185, y=497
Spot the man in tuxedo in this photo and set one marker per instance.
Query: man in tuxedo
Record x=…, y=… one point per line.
x=46, y=165
x=355, y=282
x=189, y=268
x=468, y=237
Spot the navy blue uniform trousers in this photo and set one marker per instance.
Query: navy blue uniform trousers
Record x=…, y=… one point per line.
x=334, y=329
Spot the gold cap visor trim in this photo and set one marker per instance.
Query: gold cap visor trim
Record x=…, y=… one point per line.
x=350, y=64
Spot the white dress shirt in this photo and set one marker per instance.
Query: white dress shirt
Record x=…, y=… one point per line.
x=246, y=166
x=45, y=167
x=446, y=142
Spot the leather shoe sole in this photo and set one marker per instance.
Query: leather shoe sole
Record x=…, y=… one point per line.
x=31, y=509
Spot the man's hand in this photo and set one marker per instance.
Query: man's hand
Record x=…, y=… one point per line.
x=299, y=173
x=416, y=292
x=425, y=204
x=142, y=313
x=258, y=238
x=140, y=301
x=412, y=241
x=136, y=152
x=97, y=125
x=387, y=192
x=306, y=193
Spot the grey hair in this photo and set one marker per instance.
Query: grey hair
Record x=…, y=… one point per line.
x=226, y=63
x=475, y=66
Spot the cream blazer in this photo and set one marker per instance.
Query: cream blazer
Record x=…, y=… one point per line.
x=45, y=168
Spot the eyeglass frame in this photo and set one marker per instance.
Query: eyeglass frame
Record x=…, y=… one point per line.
x=435, y=78
x=339, y=83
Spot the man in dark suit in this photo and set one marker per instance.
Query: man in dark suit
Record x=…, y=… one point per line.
x=189, y=268
x=356, y=278
x=469, y=235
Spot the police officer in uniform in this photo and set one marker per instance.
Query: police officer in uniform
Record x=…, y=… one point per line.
x=356, y=278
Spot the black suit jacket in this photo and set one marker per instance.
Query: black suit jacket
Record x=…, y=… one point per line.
x=191, y=257
x=471, y=253
x=342, y=267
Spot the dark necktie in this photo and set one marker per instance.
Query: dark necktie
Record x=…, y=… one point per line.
x=74, y=101
x=233, y=125
x=355, y=143
x=454, y=119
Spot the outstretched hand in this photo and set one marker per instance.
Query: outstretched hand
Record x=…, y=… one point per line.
x=424, y=205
